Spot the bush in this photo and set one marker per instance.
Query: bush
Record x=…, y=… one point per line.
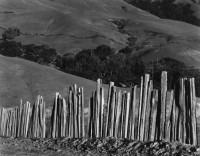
x=11, y=33
x=11, y=48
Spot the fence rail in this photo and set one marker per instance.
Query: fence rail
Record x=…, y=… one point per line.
x=145, y=114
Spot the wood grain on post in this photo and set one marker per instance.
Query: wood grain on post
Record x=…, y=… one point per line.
x=127, y=114
x=183, y=109
x=89, y=117
x=98, y=110
x=144, y=107
x=173, y=123
x=176, y=124
x=102, y=112
x=44, y=121
x=54, y=117
x=1, y=122
x=64, y=118
x=163, y=103
x=108, y=108
x=134, y=95
x=188, y=111
x=79, y=113
x=140, y=109
x=170, y=99
x=82, y=112
x=118, y=115
x=193, y=111
x=19, y=119
x=148, y=111
x=152, y=128
x=123, y=115
x=71, y=114
x=112, y=115
x=27, y=119
x=75, y=111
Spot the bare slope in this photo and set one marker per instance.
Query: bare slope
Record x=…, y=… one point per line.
x=21, y=79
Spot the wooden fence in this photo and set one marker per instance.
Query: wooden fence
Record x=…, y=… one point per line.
x=144, y=114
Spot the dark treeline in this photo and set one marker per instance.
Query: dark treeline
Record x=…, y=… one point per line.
x=123, y=68
x=168, y=10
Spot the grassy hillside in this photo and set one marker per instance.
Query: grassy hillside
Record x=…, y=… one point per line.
x=21, y=79
x=70, y=26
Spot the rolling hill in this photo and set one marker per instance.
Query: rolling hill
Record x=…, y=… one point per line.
x=21, y=79
x=70, y=26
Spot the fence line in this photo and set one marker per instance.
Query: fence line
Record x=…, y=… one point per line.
x=145, y=114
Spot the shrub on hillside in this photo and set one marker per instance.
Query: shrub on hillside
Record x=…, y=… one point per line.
x=11, y=48
x=11, y=33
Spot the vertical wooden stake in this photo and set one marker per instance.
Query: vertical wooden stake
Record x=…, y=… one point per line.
x=108, y=108
x=173, y=135
x=82, y=113
x=144, y=107
x=193, y=112
x=118, y=115
x=140, y=109
x=102, y=112
x=127, y=114
x=134, y=95
x=148, y=110
x=112, y=115
x=153, y=115
x=54, y=113
x=98, y=109
x=168, y=125
x=163, y=103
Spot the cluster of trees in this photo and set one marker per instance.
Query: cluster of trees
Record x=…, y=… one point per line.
x=123, y=68
x=168, y=9
x=40, y=54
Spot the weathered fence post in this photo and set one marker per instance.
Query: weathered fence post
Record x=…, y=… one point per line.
x=153, y=116
x=144, y=104
x=108, y=108
x=168, y=125
x=163, y=103
x=193, y=111
x=140, y=108
x=148, y=111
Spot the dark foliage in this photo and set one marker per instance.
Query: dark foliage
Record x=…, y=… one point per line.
x=168, y=10
x=102, y=62
x=11, y=48
x=40, y=54
x=175, y=71
x=11, y=33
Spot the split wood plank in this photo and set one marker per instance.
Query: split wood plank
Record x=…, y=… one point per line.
x=144, y=103
x=148, y=111
x=163, y=103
